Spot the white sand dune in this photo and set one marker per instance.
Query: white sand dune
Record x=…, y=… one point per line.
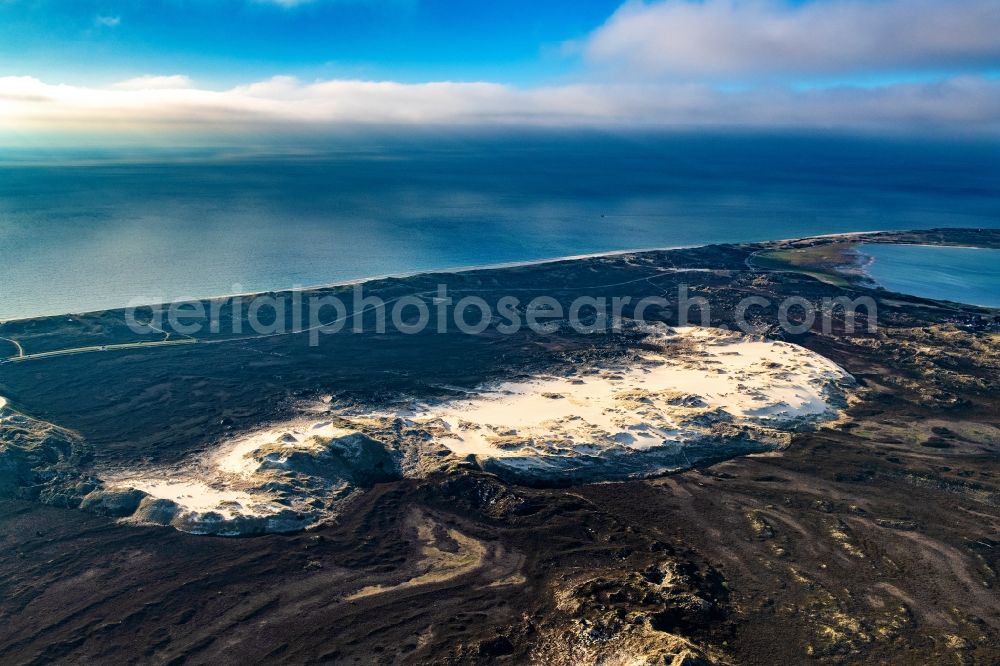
x=690, y=394
x=196, y=496
x=702, y=376
x=238, y=457
x=252, y=480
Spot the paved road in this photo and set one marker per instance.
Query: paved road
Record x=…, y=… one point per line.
x=99, y=348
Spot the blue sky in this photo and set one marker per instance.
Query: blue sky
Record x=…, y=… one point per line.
x=230, y=41
x=161, y=67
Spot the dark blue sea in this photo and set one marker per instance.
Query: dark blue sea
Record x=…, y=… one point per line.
x=83, y=230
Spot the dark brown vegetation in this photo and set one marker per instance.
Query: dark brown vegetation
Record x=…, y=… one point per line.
x=872, y=541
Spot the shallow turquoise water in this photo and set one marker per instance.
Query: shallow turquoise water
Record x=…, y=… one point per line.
x=960, y=274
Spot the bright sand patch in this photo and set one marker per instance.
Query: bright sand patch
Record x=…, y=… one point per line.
x=238, y=457
x=686, y=395
x=234, y=482
x=199, y=497
x=701, y=376
x=445, y=553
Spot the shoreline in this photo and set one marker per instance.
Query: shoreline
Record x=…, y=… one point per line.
x=518, y=264
x=450, y=271
x=390, y=276
x=957, y=247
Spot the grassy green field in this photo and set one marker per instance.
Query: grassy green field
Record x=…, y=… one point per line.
x=827, y=262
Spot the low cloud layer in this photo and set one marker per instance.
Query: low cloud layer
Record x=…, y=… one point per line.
x=172, y=105
x=671, y=64
x=149, y=82
x=739, y=38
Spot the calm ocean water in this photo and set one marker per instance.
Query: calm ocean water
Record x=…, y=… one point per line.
x=82, y=231
x=961, y=274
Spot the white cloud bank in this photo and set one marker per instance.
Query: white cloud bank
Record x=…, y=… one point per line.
x=150, y=82
x=650, y=48
x=734, y=38
x=171, y=104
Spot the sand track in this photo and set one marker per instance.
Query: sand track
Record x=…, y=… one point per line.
x=445, y=555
